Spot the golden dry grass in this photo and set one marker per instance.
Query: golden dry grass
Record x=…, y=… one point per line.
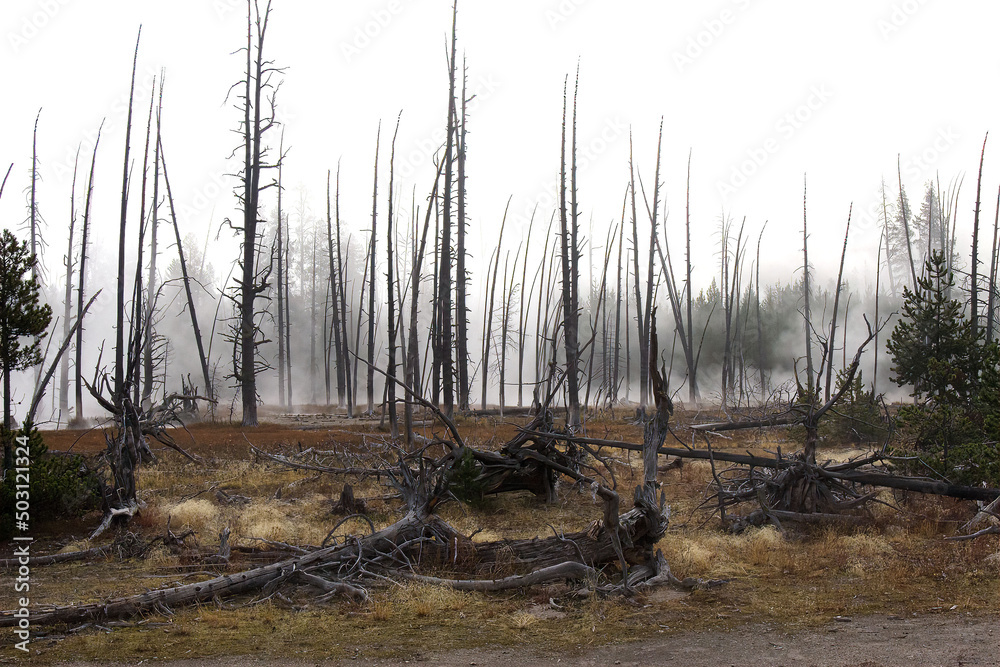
x=895, y=563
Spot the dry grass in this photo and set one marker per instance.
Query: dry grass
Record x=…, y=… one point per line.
x=896, y=563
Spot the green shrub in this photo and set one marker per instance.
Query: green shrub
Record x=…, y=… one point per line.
x=463, y=479
x=60, y=486
x=857, y=418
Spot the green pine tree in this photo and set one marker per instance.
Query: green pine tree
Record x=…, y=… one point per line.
x=954, y=426
x=21, y=317
x=934, y=347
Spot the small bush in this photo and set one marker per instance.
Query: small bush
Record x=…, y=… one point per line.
x=60, y=486
x=857, y=417
x=463, y=479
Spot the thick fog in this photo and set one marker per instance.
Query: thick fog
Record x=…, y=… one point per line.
x=755, y=100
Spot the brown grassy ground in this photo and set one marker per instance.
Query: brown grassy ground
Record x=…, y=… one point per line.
x=896, y=563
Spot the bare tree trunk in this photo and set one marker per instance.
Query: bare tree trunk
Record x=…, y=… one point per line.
x=619, y=297
x=412, y=347
x=206, y=377
x=343, y=363
x=906, y=223
x=643, y=337
x=878, y=293
x=836, y=305
x=524, y=306
x=281, y=283
x=542, y=314
x=83, y=277
x=312, y=324
x=34, y=218
x=335, y=290
x=805, y=293
x=505, y=326
x=761, y=364
x=461, y=273
x=371, y=282
x=68, y=297
x=692, y=367
x=885, y=233
x=444, y=337
x=149, y=369
x=991, y=299
x=488, y=319
x=252, y=283
x=974, y=269
x=287, y=301
x=139, y=324
x=120, y=388
x=391, y=279
x=569, y=232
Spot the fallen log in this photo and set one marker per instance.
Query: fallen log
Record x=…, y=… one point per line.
x=567, y=570
x=52, y=559
x=886, y=480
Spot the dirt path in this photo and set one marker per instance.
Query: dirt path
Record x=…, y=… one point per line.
x=875, y=641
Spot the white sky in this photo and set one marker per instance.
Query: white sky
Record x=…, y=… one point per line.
x=881, y=78
x=762, y=91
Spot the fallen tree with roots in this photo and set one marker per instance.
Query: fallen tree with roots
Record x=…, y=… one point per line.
x=616, y=554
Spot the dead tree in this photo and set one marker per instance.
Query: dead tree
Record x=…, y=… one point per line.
x=488, y=317
x=371, y=282
x=151, y=286
x=68, y=296
x=903, y=210
x=258, y=90
x=34, y=219
x=334, y=291
x=836, y=305
x=391, y=281
x=992, y=293
x=570, y=253
x=974, y=269
x=196, y=330
x=523, y=310
x=443, y=351
x=412, y=373
x=282, y=278
x=120, y=388
x=461, y=253
x=78, y=347
x=806, y=314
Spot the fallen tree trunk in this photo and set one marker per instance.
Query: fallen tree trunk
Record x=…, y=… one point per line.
x=886, y=480
x=567, y=570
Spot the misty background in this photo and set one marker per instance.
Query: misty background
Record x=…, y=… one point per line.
x=760, y=94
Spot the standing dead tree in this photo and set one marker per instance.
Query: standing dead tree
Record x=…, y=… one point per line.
x=78, y=346
x=278, y=255
x=68, y=296
x=569, y=230
x=974, y=269
x=259, y=89
x=391, y=282
x=443, y=360
x=192, y=311
x=461, y=253
x=836, y=305
x=149, y=363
